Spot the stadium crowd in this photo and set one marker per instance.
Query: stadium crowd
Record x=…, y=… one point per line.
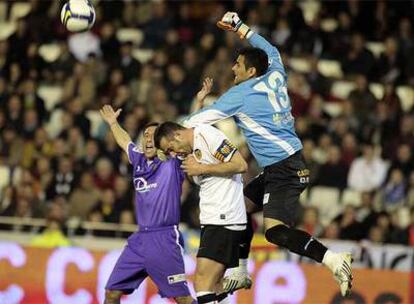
x=71, y=171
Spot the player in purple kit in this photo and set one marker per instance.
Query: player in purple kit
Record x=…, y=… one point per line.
x=156, y=250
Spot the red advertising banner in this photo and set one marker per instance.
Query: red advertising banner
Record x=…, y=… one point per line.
x=77, y=275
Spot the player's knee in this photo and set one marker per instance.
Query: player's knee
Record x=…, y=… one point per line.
x=112, y=296
x=184, y=300
x=278, y=235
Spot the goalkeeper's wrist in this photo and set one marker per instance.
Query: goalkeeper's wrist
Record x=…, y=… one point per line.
x=244, y=31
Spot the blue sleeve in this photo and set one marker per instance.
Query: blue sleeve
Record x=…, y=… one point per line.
x=228, y=105
x=275, y=60
x=134, y=155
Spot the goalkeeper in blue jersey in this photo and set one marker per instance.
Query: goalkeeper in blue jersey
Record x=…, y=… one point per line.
x=260, y=106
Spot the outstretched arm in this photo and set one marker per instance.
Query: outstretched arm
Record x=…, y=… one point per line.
x=111, y=118
x=202, y=94
x=232, y=22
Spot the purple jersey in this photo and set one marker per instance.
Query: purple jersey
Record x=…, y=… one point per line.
x=157, y=189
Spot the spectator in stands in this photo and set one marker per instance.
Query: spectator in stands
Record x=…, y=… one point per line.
x=368, y=171
x=40, y=146
x=319, y=84
x=77, y=109
x=331, y=231
x=405, y=36
x=141, y=87
x=107, y=207
x=63, y=66
x=63, y=180
x=104, y=177
x=404, y=135
x=84, y=197
x=390, y=63
x=80, y=85
x=15, y=113
x=312, y=165
x=11, y=146
x=52, y=236
x=358, y=60
x=333, y=173
x=43, y=172
x=366, y=213
x=349, y=148
x=318, y=118
x=282, y=35
x=109, y=43
x=32, y=101
x=129, y=66
x=350, y=228
x=123, y=193
x=320, y=153
x=403, y=160
x=362, y=99
x=310, y=222
x=376, y=235
x=91, y=154
x=341, y=37
x=394, y=190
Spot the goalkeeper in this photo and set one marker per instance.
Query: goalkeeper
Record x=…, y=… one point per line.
x=260, y=105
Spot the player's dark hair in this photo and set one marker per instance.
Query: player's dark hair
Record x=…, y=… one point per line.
x=165, y=129
x=255, y=58
x=151, y=124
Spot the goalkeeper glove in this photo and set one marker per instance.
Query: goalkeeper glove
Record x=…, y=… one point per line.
x=232, y=22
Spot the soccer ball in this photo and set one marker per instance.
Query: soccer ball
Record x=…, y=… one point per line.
x=77, y=15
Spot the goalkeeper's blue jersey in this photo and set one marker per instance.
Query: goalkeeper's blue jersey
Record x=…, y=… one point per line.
x=261, y=108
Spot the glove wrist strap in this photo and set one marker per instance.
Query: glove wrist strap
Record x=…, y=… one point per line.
x=244, y=31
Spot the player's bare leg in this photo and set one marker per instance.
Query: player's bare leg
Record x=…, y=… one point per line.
x=222, y=295
x=113, y=296
x=300, y=242
x=208, y=274
x=239, y=277
x=185, y=300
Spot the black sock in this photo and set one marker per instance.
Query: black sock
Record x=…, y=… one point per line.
x=207, y=298
x=244, y=248
x=221, y=297
x=297, y=241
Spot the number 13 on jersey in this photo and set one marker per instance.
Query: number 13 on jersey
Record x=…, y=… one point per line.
x=276, y=89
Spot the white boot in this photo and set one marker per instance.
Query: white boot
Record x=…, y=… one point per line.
x=340, y=265
x=239, y=278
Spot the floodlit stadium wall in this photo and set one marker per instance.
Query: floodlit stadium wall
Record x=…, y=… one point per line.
x=78, y=275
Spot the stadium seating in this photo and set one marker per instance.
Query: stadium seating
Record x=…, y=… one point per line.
x=326, y=199
x=330, y=68
x=406, y=95
x=50, y=52
x=351, y=197
x=341, y=88
x=133, y=35
x=19, y=10
x=52, y=95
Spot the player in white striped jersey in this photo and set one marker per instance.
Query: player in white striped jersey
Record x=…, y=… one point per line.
x=215, y=164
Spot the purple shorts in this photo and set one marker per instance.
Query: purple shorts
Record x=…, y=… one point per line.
x=153, y=252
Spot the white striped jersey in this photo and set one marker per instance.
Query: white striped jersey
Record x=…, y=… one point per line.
x=221, y=198
x=261, y=108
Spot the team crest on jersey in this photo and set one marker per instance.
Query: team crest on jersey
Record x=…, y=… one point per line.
x=198, y=154
x=225, y=149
